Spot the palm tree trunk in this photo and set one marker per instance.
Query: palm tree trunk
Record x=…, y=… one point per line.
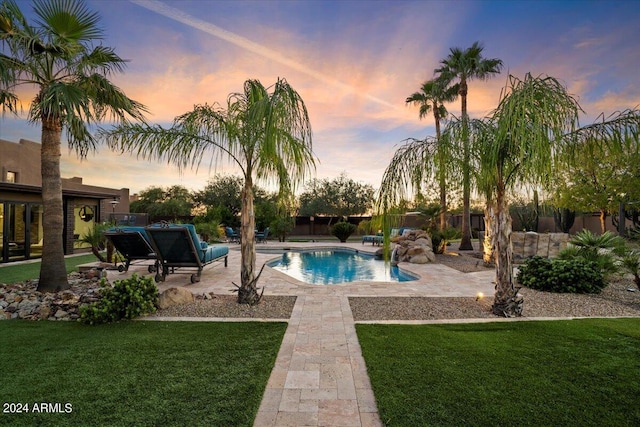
x=247, y=293
x=465, y=243
x=441, y=172
x=507, y=301
x=53, y=273
x=487, y=243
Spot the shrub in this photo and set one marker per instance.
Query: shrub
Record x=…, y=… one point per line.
x=342, y=230
x=575, y=275
x=599, y=249
x=128, y=298
x=441, y=238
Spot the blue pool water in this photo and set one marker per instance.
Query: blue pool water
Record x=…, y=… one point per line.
x=327, y=267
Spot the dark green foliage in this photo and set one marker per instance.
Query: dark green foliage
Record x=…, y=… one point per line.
x=441, y=238
x=128, y=298
x=601, y=249
x=575, y=275
x=342, y=230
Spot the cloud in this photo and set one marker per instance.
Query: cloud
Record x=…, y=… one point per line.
x=250, y=46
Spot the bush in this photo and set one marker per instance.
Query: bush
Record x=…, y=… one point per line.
x=127, y=299
x=441, y=238
x=602, y=250
x=575, y=275
x=342, y=230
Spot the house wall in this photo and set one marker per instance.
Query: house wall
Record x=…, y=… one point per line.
x=23, y=159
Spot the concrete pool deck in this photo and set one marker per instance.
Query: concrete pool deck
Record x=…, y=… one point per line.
x=320, y=377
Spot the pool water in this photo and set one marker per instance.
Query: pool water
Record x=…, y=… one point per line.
x=327, y=267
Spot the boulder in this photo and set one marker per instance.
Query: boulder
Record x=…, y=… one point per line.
x=175, y=296
x=415, y=247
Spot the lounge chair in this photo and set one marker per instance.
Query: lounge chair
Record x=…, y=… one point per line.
x=178, y=245
x=262, y=237
x=232, y=235
x=375, y=239
x=133, y=244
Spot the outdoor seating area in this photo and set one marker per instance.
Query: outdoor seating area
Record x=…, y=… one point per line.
x=171, y=246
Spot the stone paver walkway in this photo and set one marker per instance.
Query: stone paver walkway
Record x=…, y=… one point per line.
x=319, y=378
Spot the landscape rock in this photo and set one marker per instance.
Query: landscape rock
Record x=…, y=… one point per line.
x=174, y=296
x=414, y=247
x=23, y=301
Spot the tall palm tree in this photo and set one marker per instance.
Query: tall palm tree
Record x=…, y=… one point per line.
x=431, y=98
x=58, y=58
x=266, y=135
x=465, y=65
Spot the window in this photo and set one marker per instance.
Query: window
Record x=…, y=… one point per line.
x=12, y=176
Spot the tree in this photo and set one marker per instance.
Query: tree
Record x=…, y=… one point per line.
x=339, y=197
x=465, y=65
x=431, y=98
x=175, y=201
x=601, y=174
x=222, y=199
x=523, y=140
x=266, y=135
x=57, y=58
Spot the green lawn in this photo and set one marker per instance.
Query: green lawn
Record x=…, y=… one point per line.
x=556, y=373
x=137, y=373
x=13, y=273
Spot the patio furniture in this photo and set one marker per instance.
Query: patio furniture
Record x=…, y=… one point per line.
x=133, y=244
x=232, y=235
x=375, y=239
x=261, y=237
x=178, y=246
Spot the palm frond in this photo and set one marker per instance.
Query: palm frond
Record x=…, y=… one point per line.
x=411, y=165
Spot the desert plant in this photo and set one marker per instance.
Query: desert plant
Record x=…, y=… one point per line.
x=564, y=219
x=95, y=237
x=630, y=262
x=441, y=238
x=575, y=275
x=342, y=230
x=126, y=299
x=600, y=249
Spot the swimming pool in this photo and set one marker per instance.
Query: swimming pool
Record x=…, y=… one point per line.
x=332, y=266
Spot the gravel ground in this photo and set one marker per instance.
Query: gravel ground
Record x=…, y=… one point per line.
x=615, y=300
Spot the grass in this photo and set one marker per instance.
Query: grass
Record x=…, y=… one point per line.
x=13, y=273
x=137, y=373
x=569, y=373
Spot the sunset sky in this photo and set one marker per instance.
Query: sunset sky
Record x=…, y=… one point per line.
x=353, y=62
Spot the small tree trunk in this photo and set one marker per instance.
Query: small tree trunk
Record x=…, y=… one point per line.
x=603, y=219
x=247, y=293
x=53, y=273
x=507, y=301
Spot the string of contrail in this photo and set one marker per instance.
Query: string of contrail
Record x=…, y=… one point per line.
x=214, y=30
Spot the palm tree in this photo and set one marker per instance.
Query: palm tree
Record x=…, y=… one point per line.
x=465, y=65
x=58, y=58
x=266, y=135
x=524, y=139
x=430, y=98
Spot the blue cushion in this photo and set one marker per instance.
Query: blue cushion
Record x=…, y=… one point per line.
x=206, y=252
